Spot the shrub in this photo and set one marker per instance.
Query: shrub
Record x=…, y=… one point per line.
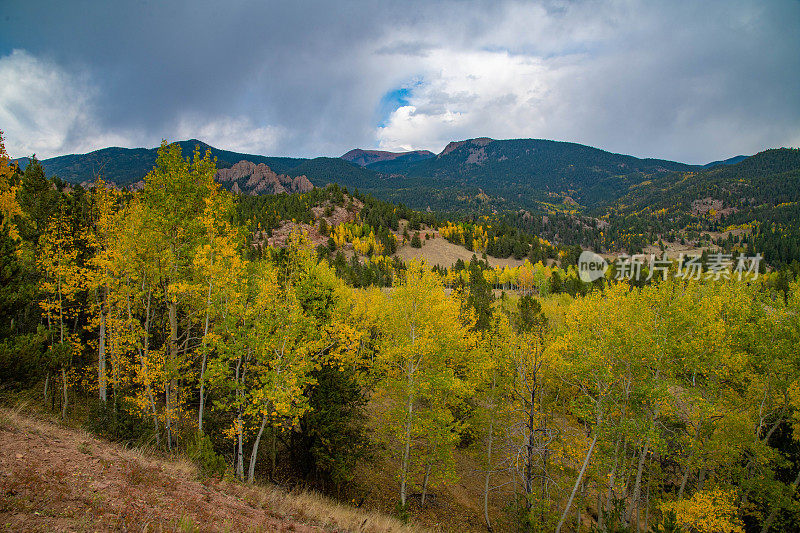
x=202, y=453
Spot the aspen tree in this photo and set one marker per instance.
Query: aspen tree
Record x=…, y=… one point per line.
x=9, y=205
x=98, y=237
x=422, y=342
x=217, y=263
x=63, y=279
x=174, y=198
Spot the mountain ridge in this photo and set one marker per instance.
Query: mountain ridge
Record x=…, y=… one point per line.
x=365, y=158
x=730, y=161
x=473, y=175
x=125, y=166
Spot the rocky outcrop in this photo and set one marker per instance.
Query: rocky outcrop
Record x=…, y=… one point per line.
x=477, y=156
x=454, y=145
x=301, y=184
x=365, y=157
x=254, y=179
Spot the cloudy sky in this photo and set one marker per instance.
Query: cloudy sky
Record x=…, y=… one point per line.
x=690, y=81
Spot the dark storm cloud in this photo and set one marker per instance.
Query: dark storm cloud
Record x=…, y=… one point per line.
x=153, y=62
x=685, y=81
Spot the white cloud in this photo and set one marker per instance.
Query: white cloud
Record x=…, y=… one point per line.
x=236, y=134
x=498, y=94
x=45, y=110
x=49, y=111
x=682, y=81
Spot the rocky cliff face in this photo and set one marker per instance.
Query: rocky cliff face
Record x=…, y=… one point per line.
x=366, y=157
x=249, y=178
x=454, y=145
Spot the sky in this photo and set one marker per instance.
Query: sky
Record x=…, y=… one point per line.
x=687, y=81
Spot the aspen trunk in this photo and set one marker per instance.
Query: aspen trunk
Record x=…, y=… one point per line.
x=168, y=418
x=202, y=393
x=239, y=450
x=63, y=370
x=64, y=405
x=101, y=354
x=203, y=366
x=627, y=472
x=529, y=451
x=406, y=453
x=251, y=471
x=239, y=460
x=173, y=358
x=425, y=483
x=611, y=480
x=577, y=483
x=145, y=354
x=637, y=487
x=637, y=484
x=647, y=496
x=683, y=482
x=101, y=358
x=545, y=467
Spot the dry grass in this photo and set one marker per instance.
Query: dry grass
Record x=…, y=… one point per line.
x=438, y=251
x=56, y=478
x=306, y=505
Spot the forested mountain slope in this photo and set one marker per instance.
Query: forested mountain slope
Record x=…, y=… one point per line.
x=536, y=167
x=124, y=166
x=477, y=174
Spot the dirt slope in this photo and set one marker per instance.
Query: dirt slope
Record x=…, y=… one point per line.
x=58, y=479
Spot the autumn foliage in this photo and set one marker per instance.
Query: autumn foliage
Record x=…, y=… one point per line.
x=668, y=405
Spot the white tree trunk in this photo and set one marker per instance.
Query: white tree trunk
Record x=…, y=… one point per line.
x=239, y=451
x=251, y=471
x=637, y=486
x=406, y=453
x=203, y=366
x=172, y=386
x=425, y=483
x=64, y=406
x=577, y=482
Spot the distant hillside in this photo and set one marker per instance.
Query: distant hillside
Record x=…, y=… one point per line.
x=324, y=170
x=769, y=178
x=517, y=173
x=759, y=195
x=124, y=166
x=367, y=157
x=730, y=161
x=476, y=176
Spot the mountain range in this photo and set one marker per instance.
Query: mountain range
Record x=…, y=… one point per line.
x=473, y=176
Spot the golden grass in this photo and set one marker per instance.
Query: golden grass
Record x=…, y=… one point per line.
x=439, y=251
x=313, y=507
x=143, y=467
